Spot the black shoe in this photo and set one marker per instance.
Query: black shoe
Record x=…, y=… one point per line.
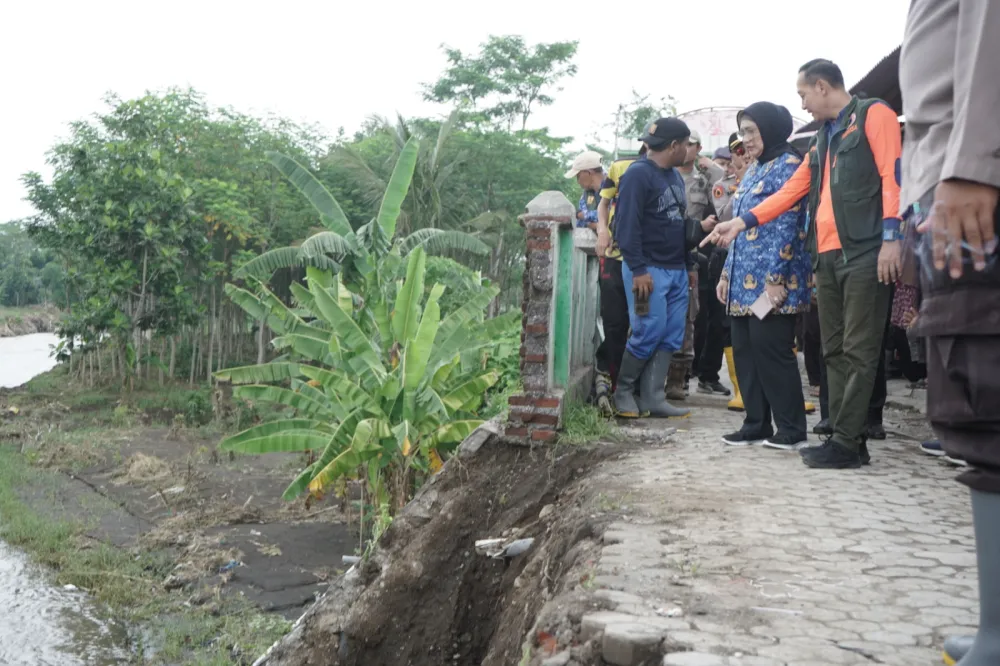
x=823, y=427
x=866, y=459
x=876, y=431
x=713, y=388
x=740, y=438
x=784, y=442
x=830, y=455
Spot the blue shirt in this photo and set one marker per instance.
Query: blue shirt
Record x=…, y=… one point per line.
x=649, y=218
x=588, y=206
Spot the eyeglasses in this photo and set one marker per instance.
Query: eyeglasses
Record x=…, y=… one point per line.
x=748, y=133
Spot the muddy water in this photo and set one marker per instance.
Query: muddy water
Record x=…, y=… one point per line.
x=41, y=624
x=25, y=356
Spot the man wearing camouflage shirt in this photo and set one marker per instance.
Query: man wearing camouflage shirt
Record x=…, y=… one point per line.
x=700, y=174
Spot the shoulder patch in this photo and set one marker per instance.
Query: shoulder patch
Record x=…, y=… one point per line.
x=718, y=192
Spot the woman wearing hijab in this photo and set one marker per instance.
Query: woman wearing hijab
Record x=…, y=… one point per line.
x=770, y=263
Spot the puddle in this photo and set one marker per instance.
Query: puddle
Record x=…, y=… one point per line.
x=42, y=625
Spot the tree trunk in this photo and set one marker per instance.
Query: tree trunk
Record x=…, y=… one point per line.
x=260, y=341
x=173, y=356
x=194, y=354
x=139, y=311
x=163, y=353
x=211, y=338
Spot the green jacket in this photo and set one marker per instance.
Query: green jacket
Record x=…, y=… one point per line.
x=855, y=183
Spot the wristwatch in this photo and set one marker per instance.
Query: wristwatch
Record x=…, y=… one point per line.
x=890, y=235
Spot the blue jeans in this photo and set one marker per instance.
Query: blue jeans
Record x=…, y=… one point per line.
x=663, y=327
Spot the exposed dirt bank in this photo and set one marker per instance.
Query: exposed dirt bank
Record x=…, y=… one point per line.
x=426, y=597
x=25, y=321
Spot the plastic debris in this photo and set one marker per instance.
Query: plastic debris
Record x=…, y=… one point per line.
x=514, y=548
x=230, y=566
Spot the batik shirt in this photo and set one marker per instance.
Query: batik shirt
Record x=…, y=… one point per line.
x=773, y=253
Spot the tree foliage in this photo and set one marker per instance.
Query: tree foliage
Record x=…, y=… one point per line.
x=506, y=81
x=29, y=274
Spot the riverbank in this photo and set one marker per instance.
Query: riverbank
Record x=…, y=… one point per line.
x=130, y=501
x=28, y=320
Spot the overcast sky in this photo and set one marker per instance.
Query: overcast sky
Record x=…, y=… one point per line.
x=336, y=62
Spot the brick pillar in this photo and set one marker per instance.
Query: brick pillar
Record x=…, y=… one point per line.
x=536, y=414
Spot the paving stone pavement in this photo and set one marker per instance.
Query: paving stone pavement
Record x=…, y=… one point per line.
x=745, y=557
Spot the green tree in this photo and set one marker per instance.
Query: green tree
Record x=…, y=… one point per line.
x=506, y=81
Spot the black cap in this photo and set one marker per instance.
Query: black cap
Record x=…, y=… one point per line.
x=663, y=131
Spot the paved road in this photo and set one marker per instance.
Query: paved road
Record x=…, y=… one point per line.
x=772, y=563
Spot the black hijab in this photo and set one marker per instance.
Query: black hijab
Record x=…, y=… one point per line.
x=775, y=125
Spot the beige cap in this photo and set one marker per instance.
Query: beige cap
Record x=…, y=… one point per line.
x=695, y=137
x=584, y=162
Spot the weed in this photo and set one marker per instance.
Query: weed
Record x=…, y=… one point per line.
x=583, y=423
x=122, y=417
x=608, y=504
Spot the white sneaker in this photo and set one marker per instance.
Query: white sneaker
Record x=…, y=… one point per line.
x=783, y=443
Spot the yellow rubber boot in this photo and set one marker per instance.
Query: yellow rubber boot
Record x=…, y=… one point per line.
x=736, y=404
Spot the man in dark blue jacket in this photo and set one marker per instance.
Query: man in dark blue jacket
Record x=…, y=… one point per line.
x=650, y=230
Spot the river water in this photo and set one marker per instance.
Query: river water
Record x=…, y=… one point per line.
x=42, y=624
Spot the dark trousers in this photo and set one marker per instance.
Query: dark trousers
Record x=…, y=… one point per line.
x=614, y=314
x=700, y=331
x=812, y=343
x=880, y=389
x=716, y=334
x=768, y=375
x=853, y=308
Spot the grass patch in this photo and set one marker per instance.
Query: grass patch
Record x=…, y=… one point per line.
x=583, y=423
x=129, y=583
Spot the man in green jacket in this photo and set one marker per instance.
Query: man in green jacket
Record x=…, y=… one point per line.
x=851, y=177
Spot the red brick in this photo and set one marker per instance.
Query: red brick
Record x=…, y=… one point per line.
x=543, y=435
x=539, y=245
x=516, y=432
x=536, y=358
x=545, y=419
x=519, y=401
x=542, y=232
x=537, y=329
x=547, y=403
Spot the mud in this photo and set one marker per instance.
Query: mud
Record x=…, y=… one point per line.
x=426, y=598
x=166, y=490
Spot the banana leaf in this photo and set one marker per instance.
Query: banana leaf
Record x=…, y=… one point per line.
x=474, y=388
x=398, y=187
x=259, y=374
x=273, y=428
x=407, y=306
x=280, y=442
x=330, y=211
x=282, y=396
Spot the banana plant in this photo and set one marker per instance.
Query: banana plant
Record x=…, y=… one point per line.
x=374, y=388
x=369, y=255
